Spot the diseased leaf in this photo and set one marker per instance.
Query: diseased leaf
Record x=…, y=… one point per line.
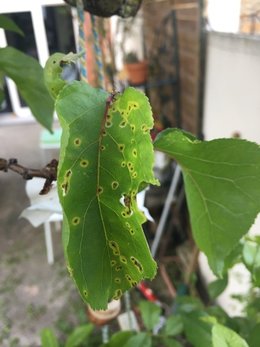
x=8, y=24
x=222, y=183
x=54, y=69
x=225, y=337
x=104, y=146
x=27, y=73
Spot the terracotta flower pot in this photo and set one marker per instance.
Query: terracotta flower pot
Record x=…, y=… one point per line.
x=137, y=72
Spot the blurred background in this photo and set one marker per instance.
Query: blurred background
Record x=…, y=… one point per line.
x=201, y=73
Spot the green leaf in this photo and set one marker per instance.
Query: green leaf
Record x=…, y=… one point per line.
x=27, y=73
x=48, y=339
x=234, y=257
x=222, y=183
x=216, y=287
x=251, y=258
x=170, y=342
x=53, y=71
x=104, y=145
x=150, y=314
x=198, y=328
x=79, y=335
x=225, y=337
x=139, y=340
x=186, y=304
x=119, y=339
x=173, y=326
x=220, y=315
x=8, y=24
x=254, y=336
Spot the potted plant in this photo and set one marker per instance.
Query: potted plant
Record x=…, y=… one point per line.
x=136, y=70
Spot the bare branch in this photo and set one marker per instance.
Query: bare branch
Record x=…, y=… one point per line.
x=49, y=172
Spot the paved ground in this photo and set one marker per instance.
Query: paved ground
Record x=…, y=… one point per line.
x=33, y=294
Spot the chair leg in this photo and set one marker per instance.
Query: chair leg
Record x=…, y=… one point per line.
x=48, y=242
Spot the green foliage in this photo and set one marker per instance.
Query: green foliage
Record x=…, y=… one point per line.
x=251, y=258
x=173, y=326
x=222, y=179
x=139, y=340
x=197, y=327
x=119, y=339
x=7, y=23
x=150, y=314
x=216, y=287
x=48, y=339
x=254, y=336
x=224, y=337
x=104, y=145
x=27, y=73
x=79, y=335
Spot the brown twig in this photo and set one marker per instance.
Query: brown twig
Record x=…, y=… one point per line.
x=49, y=172
x=167, y=281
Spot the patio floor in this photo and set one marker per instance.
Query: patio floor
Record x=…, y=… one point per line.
x=33, y=294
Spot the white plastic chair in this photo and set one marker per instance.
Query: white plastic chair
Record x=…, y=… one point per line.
x=44, y=209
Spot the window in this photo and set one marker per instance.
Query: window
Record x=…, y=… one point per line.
x=49, y=26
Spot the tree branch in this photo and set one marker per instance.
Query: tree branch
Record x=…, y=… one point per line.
x=49, y=172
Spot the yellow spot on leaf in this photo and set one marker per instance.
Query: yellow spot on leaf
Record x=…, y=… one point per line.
x=76, y=221
x=77, y=142
x=118, y=294
x=123, y=259
x=114, y=185
x=84, y=163
x=137, y=264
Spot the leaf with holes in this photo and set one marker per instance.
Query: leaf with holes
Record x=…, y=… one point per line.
x=106, y=158
x=54, y=78
x=222, y=183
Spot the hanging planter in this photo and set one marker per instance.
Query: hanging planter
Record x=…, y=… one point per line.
x=108, y=8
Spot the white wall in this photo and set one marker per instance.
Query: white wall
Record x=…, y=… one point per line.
x=232, y=88
x=232, y=104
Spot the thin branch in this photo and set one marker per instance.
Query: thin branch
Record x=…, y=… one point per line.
x=49, y=172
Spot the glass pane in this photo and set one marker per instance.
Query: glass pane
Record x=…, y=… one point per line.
x=27, y=43
x=59, y=29
x=5, y=106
